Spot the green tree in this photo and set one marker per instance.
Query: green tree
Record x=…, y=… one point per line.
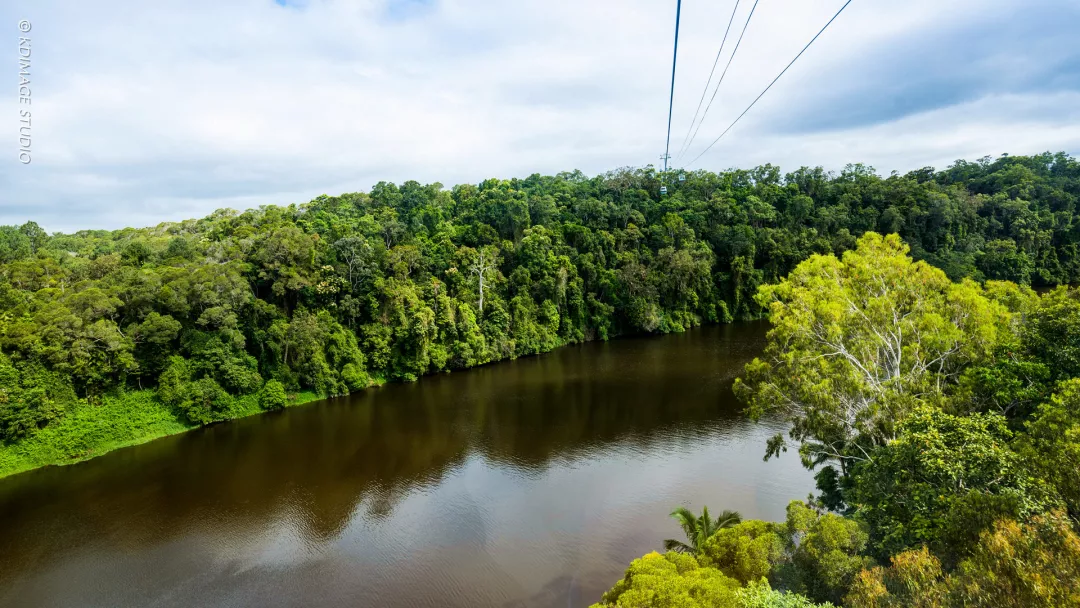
x=14, y=244
x=826, y=550
x=673, y=580
x=1034, y=565
x=358, y=258
x=1001, y=259
x=914, y=579
x=329, y=295
x=35, y=235
x=699, y=529
x=859, y=342
x=272, y=395
x=747, y=551
x=761, y=595
x=1052, y=333
x=30, y=398
x=481, y=264
x=205, y=401
x=154, y=339
x=1051, y=446
x=1014, y=565
x=285, y=259
x=200, y=400
x=942, y=482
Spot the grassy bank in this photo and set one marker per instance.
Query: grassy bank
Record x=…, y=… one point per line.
x=127, y=419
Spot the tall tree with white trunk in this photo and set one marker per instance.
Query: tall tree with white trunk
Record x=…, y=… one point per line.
x=857, y=342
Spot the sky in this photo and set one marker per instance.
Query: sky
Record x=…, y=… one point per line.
x=145, y=112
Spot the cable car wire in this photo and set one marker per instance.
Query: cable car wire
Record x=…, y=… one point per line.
x=671, y=101
x=708, y=82
x=719, y=82
x=770, y=84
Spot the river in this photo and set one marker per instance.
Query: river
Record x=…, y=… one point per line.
x=526, y=483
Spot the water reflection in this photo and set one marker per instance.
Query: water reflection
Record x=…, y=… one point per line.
x=528, y=483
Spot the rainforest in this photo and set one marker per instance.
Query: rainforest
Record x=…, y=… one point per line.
x=108, y=338
x=922, y=356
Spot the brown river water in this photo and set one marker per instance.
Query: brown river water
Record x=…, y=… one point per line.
x=526, y=483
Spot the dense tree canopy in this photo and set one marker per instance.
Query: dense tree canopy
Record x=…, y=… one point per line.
x=411, y=279
x=928, y=384
x=673, y=580
x=1031, y=565
x=857, y=342
x=943, y=417
x=677, y=580
x=943, y=481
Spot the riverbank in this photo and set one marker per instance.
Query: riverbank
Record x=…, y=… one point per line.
x=137, y=417
x=89, y=431
x=503, y=485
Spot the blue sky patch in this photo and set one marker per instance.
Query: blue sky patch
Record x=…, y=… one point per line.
x=1033, y=49
x=404, y=10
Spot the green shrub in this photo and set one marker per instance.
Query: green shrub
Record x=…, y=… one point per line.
x=272, y=396
x=673, y=580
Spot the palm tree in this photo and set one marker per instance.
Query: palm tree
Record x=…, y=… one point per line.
x=699, y=529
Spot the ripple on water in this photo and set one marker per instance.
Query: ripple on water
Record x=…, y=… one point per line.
x=527, y=483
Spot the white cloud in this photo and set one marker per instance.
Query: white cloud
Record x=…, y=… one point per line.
x=994, y=125
x=146, y=112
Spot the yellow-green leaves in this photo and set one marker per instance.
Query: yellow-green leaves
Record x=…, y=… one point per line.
x=857, y=342
x=747, y=551
x=1014, y=565
x=677, y=580
x=671, y=581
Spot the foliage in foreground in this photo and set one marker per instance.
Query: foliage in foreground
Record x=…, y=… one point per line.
x=1031, y=565
x=857, y=342
x=677, y=580
x=699, y=529
x=1012, y=565
x=812, y=555
x=911, y=394
x=944, y=421
x=944, y=480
